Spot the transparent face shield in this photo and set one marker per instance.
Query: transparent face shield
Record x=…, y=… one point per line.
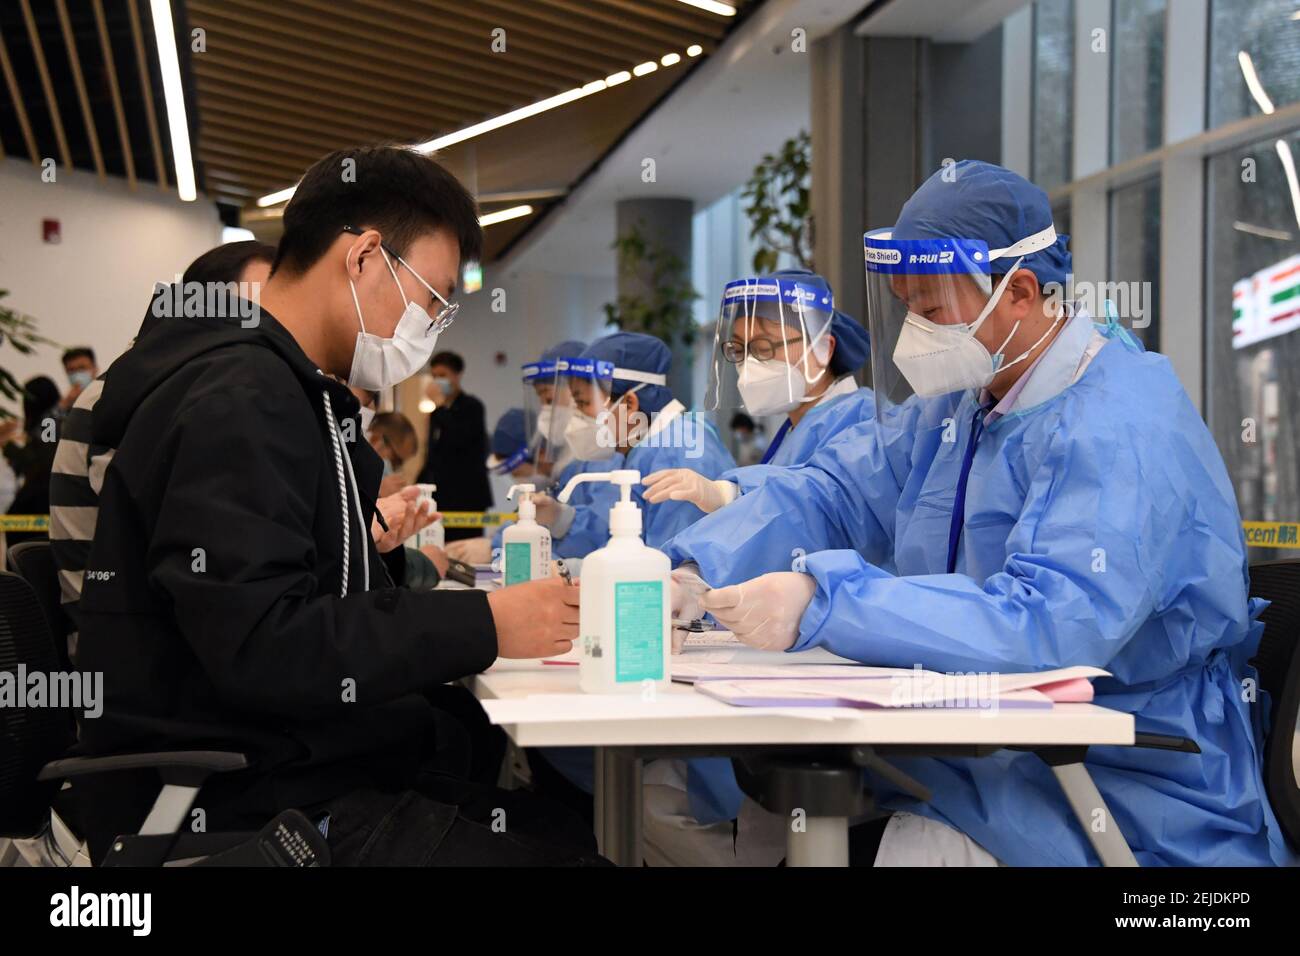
x=927, y=300
x=540, y=413
x=771, y=346
x=596, y=428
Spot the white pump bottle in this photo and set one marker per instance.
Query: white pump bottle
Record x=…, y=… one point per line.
x=624, y=630
x=435, y=534
x=526, y=545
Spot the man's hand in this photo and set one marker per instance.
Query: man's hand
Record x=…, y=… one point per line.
x=67, y=400
x=438, y=557
x=536, y=618
x=405, y=514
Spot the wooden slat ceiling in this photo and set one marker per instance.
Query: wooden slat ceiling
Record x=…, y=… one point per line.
x=79, y=84
x=283, y=82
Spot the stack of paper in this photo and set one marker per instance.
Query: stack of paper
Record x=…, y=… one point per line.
x=837, y=685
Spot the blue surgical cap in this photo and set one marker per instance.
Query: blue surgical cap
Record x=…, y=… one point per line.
x=638, y=352
x=852, y=344
x=977, y=200
x=567, y=349
x=511, y=433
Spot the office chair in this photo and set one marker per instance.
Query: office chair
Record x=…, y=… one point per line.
x=33, y=561
x=34, y=772
x=1279, y=674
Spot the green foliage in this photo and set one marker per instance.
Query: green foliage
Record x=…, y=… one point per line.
x=779, y=205
x=666, y=312
x=19, y=330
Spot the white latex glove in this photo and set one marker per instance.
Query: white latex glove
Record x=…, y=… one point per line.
x=682, y=484
x=763, y=612
x=685, y=589
x=471, y=550
x=552, y=514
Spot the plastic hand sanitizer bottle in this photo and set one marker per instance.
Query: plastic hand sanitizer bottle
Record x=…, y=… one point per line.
x=624, y=616
x=435, y=534
x=526, y=545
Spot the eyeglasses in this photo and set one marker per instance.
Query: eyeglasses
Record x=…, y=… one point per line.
x=444, y=316
x=762, y=349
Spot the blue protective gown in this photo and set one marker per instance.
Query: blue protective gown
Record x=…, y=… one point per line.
x=1101, y=529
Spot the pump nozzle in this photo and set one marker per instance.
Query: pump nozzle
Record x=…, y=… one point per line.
x=524, y=490
x=625, y=477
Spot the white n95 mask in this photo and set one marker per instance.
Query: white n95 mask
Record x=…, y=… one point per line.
x=382, y=363
x=582, y=435
x=939, y=359
x=552, y=423
x=770, y=387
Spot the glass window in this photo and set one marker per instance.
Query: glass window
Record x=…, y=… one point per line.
x=1134, y=273
x=1137, y=78
x=1253, y=327
x=1053, y=139
x=1254, y=57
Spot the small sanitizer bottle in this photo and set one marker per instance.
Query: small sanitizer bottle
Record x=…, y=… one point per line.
x=435, y=534
x=526, y=545
x=624, y=617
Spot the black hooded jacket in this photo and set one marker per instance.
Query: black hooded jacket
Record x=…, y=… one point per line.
x=225, y=593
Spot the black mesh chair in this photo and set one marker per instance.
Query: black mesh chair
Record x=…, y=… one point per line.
x=33, y=561
x=1279, y=674
x=33, y=773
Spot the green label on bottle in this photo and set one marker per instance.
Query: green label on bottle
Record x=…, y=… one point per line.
x=638, y=631
x=519, y=562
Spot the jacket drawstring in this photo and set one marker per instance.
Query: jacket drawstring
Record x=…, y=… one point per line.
x=341, y=460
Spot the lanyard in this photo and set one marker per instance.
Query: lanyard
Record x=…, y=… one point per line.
x=776, y=442
x=959, y=499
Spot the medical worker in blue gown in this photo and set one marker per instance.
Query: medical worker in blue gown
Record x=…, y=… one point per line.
x=1046, y=495
x=782, y=343
x=783, y=347
x=622, y=405
x=546, y=410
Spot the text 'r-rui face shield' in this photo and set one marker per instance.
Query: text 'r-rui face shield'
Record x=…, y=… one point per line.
x=770, y=345
x=926, y=300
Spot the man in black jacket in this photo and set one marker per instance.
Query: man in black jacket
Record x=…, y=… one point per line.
x=235, y=596
x=456, y=453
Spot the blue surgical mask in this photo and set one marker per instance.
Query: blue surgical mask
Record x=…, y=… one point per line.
x=388, y=467
x=80, y=378
x=444, y=384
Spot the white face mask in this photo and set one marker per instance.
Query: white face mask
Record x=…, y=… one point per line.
x=591, y=439
x=367, y=416
x=773, y=387
x=382, y=363
x=552, y=422
x=939, y=359
x=582, y=435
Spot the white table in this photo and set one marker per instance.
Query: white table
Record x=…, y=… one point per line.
x=682, y=718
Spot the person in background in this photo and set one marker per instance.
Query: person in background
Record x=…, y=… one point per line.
x=287, y=635
x=747, y=436
x=394, y=440
x=33, y=460
x=81, y=368
x=458, y=444
x=510, y=452
x=79, y=462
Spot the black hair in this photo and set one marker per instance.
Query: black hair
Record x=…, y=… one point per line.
x=40, y=394
x=227, y=262
x=741, y=420
x=401, y=193
x=448, y=360
x=80, y=351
